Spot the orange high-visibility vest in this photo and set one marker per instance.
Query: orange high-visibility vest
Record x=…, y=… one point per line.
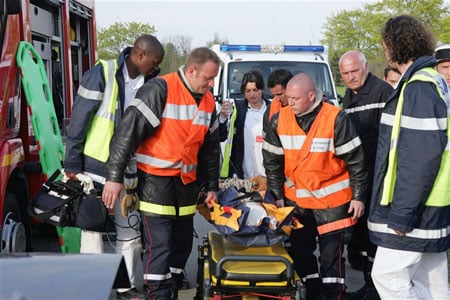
x=320, y=178
x=275, y=107
x=173, y=149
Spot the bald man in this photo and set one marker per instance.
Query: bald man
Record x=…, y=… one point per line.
x=314, y=160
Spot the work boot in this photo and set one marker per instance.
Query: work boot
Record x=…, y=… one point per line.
x=132, y=294
x=355, y=259
x=366, y=292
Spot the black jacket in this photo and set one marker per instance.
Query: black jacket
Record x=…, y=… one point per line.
x=83, y=112
x=364, y=109
x=420, y=149
x=137, y=126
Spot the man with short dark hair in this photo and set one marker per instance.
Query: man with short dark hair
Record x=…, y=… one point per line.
x=442, y=55
x=314, y=160
x=392, y=76
x=276, y=83
x=105, y=92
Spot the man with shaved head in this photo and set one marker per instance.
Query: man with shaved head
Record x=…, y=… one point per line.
x=105, y=92
x=314, y=160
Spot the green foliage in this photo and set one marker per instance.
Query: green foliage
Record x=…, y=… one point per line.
x=116, y=37
x=216, y=40
x=361, y=28
x=172, y=58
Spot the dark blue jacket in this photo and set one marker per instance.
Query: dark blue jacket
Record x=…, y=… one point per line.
x=419, y=156
x=83, y=111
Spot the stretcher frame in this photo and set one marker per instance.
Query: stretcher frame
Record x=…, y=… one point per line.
x=228, y=270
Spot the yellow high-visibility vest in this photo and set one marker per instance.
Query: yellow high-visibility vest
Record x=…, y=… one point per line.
x=102, y=128
x=225, y=168
x=440, y=193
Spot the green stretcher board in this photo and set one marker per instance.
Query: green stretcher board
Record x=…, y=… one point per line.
x=45, y=126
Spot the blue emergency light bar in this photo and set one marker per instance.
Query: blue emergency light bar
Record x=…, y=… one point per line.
x=272, y=48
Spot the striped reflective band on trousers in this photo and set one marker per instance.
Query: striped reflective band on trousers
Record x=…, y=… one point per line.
x=159, y=277
x=167, y=210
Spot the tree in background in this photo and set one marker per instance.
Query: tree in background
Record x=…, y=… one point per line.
x=113, y=39
x=176, y=47
x=361, y=28
x=216, y=40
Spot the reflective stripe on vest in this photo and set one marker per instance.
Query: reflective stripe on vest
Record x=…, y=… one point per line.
x=102, y=128
x=321, y=179
x=225, y=168
x=440, y=193
x=167, y=210
x=173, y=149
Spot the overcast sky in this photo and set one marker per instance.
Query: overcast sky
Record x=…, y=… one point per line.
x=250, y=21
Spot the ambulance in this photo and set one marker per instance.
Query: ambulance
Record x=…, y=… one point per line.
x=240, y=58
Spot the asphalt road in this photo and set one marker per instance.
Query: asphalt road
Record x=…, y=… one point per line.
x=46, y=241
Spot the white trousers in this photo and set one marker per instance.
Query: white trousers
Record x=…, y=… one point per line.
x=402, y=275
x=128, y=241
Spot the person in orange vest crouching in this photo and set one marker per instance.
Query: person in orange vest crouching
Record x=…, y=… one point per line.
x=171, y=125
x=314, y=159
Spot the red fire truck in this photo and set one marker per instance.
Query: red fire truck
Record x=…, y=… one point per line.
x=63, y=33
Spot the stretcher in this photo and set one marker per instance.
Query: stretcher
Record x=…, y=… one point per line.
x=45, y=126
x=230, y=270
